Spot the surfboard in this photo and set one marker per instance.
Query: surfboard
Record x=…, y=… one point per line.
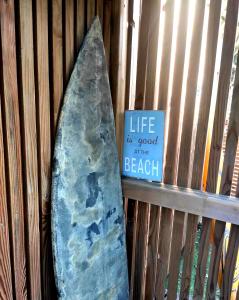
x=88, y=233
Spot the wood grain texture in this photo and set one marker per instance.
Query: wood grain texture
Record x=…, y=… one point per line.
x=225, y=188
x=183, y=166
x=118, y=67
x=69, y=39
x=131, y=26
x=230, y=262
x=141, y=251
x=200, y=142
x=57, y=58
x=107, y=29
x=166, y=55
x=149, y=103
x=44, y=144
x=176, y=249
x=171, y=151
x=188, y=255
x=217, y=134
x=30, y=166
x=142, y=56
x=5, y=267
x=100, y=10
x=79, y=24
x=152, y=53
x=10, y=102
x=90, y=12
x=133, y=258
x=209, y=205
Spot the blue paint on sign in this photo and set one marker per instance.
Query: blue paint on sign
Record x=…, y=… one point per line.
x=143, y=144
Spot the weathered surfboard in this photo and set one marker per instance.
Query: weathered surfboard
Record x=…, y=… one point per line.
x=88, y=232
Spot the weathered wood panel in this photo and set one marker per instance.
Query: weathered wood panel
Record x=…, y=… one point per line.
x=5, y=268
x=29, y=134
x=56, y=56
x=44, y=143
x=12, y=141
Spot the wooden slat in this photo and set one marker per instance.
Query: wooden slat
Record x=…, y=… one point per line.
x=57, y=58
x=90, y=12
x=200, y=142
x=44, y=146
x=69, y=40
x=152, y=53
x=142, y=56
x=141, y=249
x=106, y=29
x=217, y=135
x=185, y=148
x=210, y=205
x=227, y=174
x=5, y=267
x=133, y=259
x=188, y=255
x=230, y=262
x=30, y=148
x=100, y=10
x=166, y=55
x=145, y=269
x=79, y=24
x=129, y=54
x=12, y=142
x=171, y=156
x=154, y=7
x=118, y=71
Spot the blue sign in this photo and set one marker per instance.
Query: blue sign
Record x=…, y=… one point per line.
x=143, y=144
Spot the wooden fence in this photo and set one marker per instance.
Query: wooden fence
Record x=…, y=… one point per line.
x=152, y=65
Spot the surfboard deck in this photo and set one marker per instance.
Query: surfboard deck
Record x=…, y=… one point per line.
x=88, y=233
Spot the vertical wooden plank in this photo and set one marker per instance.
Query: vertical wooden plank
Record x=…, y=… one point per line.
x=106, y=29
x=57, y=58
x=200, y=143
x=44, y=143
x=154, y=7
x=100, y=10
x=147, y=55
x=166, y=55
x=134, y=243
x=171, y=154
x=10, y=99
x=185, y=147
x=30, y=148
x=5, y=267
x=230, y=262
x=90, y=12
x=217, y=135
x=152, y=53
x=129, y=52
x=79, y=24
x=118, y=66
x=69, y=40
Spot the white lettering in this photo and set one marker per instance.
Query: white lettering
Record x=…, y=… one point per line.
x=151, y=124
x=143, y=123
x=140, y=167
x=147, y=171
x=127, y=164
x=155, y=168
x=131, y=125
x=133, y=165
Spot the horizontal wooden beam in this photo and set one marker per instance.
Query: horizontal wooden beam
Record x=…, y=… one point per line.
x=209, y=205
